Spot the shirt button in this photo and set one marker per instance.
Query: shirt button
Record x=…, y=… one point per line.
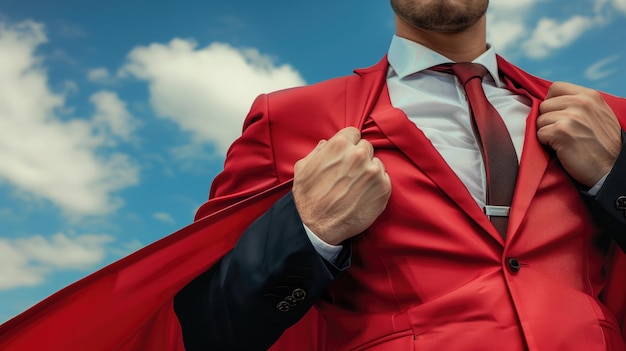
x=514, y=265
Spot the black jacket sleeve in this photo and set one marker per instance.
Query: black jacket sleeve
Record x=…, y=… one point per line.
x=609, y=205
x=260, y=288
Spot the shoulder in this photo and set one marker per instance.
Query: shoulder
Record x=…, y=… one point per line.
x=311, y=95
x=304, y=109
x=332, y=91
x=336, y=102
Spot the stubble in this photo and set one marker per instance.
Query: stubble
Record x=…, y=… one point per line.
x=446, y=16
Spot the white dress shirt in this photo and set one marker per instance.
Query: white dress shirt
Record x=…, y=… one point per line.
x=437, y=104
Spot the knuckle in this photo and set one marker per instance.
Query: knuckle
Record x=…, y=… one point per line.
x=595, y=98
x=339, y=142
x=583, y=100
x=372, y=170
x=565, y=128
x=562, y=126
x=387, y=188
x=555, y=88
x=589, y=99
x=361, y=154
x=594, y=94
x=349, y=133
x=352, y=130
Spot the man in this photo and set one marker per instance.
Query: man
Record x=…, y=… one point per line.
x=384, y=230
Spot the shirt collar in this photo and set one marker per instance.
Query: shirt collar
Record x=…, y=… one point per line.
x=407, y=57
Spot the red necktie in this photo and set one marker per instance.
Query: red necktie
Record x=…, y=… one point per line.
x=494, y=141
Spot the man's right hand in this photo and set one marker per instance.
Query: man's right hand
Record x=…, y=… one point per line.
x=340, y=188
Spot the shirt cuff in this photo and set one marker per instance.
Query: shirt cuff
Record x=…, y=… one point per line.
x=596, y=188
x=327, y=251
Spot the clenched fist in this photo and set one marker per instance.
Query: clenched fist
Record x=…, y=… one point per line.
x=582, y=129
x=340, y=188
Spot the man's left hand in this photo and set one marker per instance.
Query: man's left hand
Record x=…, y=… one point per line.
x=582, y=129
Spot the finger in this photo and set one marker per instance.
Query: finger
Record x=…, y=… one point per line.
x=367, y=146
x=352, y=134
x=548, y=118
x=557, y=134
x=555, y=103
x=564, y=88
x=385, y=175
x=379, y=164
x=546, y=136
x=320, y=145
x=576, y=101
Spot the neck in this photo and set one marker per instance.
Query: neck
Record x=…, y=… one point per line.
x=462, y=46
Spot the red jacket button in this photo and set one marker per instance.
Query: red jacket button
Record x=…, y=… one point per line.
x=514, y=265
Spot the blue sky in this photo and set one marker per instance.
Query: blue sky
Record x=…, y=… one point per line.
x=115, y=116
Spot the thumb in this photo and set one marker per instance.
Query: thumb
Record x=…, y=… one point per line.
x=319, y=145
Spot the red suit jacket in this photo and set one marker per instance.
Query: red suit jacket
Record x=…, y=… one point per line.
x=431, y=259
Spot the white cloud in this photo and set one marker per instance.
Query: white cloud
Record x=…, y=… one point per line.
x=550, y=35
x=599, y=5
x=504, y=34
x=507, y=22
x=599, y=70
x=62, y=160
x=206, y=91
x=512, y=5
x=620, y=5
x=100, y=75
x=163, y=217
x=27, y=261
x=516, y=27
x=111, y=116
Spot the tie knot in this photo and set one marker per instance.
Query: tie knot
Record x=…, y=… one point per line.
x=464, y=71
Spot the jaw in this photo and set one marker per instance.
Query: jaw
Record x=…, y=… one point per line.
x=461, y=46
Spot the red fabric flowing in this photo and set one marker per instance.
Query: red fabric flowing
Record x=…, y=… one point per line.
x=128, y=304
